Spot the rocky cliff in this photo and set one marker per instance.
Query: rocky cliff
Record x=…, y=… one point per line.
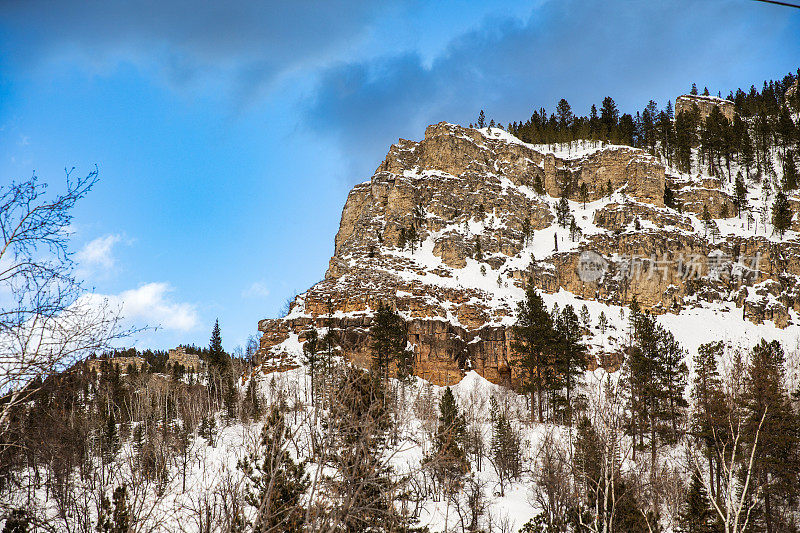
x=451, y=229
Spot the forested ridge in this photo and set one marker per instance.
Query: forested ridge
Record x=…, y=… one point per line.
x=763, y=119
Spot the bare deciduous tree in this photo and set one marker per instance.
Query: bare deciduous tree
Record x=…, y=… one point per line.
x=736, y=455
x=553, y=491
x=47, y=320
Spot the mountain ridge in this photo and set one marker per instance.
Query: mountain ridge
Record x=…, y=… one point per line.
x=452, y=228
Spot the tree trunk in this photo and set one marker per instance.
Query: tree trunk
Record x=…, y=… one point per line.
x=652, y=437
x=711, y=490
x=569, y=403
x=539, y=393
x=768, y=507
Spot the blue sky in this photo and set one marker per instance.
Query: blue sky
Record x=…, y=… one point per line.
x=227, y=135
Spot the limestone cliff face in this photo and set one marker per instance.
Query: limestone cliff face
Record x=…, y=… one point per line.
x=704, y=104
x=468, y=194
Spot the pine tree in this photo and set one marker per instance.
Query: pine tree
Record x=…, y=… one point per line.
x=330, y=339
x=740, y=194
x=669, y=196
x=786, y=130
x=594, y=123
x=706, y=219
x=709, y=423
x=685, y=138
x=626, y=130
x=230, y=396
x=694, y=89
x=562, y=211
x=275, y=483
x=419, y=215
x=665, y=134
x=598, y=470
x=586, y=318
x=655, y=378
x=311, y=358
x=570, y=358
x=602, y=322
x=363, y=488
x=574, y=230
x=505, y=446
x=481, y=120
x=789, y=173
x=118, y=518
x=219, y=365
x=478, y=251
x=584, y=193
x=696, y=516
x=744, y=145
x=781, y=213
x=609, y=116
x=564, y=113
x=252, y=405
x=526, y=230
x=183, y=445
x=389, y=338
x=538, y=185
x=533, y=343
x=208, y=429
x=767, y=406
x=672, y=375
x=217, y=358
x=110, y=438
x=450, y=461
x=412, y=237
x=640, y=376
x=403, y=239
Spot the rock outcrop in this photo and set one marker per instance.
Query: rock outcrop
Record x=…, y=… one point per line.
x=476, y=211
x=705, y=104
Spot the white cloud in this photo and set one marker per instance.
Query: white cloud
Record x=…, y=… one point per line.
x=257, y=290
x=151, y=305
x=98, y=252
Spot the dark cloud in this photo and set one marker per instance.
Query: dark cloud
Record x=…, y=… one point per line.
x=579, y=50
x=244, y=42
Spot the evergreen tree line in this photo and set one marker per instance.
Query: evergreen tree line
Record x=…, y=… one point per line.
x=739, y=434
x=762, y=121
x=551, y=357
x=644, y=128
x=761, y=132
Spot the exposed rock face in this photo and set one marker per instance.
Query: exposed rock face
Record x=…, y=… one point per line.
x=444, y=351
x=122, y=363
x=705, y=104
x=717, y=201
x=639, y=174
x=617, y=217
x=468, y=194
x=179, y=356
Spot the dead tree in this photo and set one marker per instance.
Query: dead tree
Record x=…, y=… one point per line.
x=47, y=320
